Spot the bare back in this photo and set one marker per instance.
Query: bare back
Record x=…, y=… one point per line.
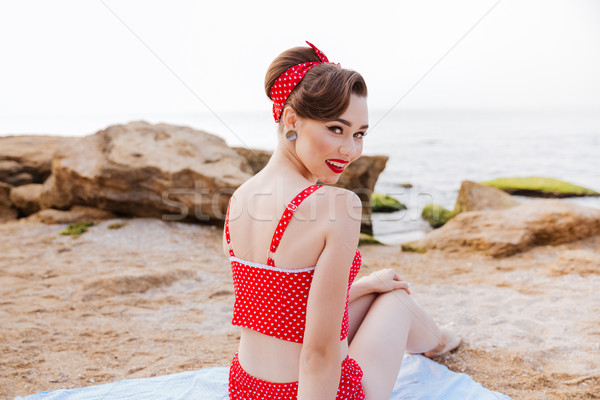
x=253, y=216
x=254, y=213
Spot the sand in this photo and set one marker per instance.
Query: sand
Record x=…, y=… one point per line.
x=155, y=297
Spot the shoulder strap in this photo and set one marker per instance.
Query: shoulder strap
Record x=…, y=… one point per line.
x=227, y=236
x=285, y=219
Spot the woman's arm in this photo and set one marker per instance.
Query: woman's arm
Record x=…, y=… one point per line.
x=358, y=289
x=320, y=358
x=381, y=281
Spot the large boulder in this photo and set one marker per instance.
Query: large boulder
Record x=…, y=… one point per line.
x=28, y=158
x=360, y=177
x=501, y=233
x=7, y=210
x=139, y=169
x=26, y=197
x=473, y=196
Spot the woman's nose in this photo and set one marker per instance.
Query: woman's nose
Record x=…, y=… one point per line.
x=348, y=147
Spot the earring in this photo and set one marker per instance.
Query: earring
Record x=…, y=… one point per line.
x=291, y=135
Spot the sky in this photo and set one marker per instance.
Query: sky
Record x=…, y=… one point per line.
x=92, y=57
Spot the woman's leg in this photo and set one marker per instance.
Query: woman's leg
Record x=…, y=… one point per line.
x=393, y=324
x=357, y=310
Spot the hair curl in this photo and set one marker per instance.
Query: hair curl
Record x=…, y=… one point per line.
x=324, y=92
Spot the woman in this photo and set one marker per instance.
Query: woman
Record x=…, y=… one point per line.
x=295, y=290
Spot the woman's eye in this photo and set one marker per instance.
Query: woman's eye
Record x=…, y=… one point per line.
x=335, y=129
x=360, y=134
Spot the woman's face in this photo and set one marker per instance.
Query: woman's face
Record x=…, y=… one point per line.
x=326, y=148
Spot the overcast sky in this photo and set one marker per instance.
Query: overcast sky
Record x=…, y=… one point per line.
x=100, y=57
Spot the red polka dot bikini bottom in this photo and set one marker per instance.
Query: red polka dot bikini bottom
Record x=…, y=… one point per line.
x=245, y=386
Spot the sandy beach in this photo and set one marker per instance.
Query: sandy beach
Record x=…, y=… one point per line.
x=154, y=297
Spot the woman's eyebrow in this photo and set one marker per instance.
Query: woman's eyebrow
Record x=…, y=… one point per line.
x=343, y=121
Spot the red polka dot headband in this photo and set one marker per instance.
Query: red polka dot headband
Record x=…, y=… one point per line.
x=287, y=81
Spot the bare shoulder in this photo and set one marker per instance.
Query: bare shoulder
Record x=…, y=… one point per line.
x=340, y=203
x=241, y=194
x=339, y=212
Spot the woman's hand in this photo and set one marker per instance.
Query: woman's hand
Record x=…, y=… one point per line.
x=385, y=280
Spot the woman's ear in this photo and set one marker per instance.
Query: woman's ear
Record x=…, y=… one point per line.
x=290, y=119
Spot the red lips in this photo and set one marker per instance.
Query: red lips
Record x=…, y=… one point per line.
x=335, y=169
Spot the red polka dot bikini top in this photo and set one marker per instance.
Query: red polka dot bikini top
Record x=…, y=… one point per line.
x=272, y=300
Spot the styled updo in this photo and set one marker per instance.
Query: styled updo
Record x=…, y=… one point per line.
x=324, y=92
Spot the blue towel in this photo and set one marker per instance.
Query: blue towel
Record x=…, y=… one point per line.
x=419, y=378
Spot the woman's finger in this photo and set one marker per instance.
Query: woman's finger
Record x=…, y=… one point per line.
x=404, y=285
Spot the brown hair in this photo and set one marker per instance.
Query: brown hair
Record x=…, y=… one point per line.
x=324, y=92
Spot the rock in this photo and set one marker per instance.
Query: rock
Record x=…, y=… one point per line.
x=501, y=233
x=26, y=197
x=383, y=203
x=28, y=158
x=367, y=239
x=473, y=196
x=255, y=157
x=582, y=262
x=22, y=178
x=540, y=187
x=9, y=169
x=76, y=214
x=360, y=177
x=139, y=169
x=436, y=215
x=411, y=247
x=7, y=210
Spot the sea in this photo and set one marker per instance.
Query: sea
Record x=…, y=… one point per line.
x=433, y=150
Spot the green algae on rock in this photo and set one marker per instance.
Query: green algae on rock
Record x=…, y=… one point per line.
x=116, y=225
x=77, y=229
x=413, y=247
x=367, y=239
x=540, y=187
x=436, y=215
x=383, y=203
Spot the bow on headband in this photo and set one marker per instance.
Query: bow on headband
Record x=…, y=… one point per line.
x=287, y=81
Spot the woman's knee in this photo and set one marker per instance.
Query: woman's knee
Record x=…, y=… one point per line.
x=396, y=296
x=399, y=304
